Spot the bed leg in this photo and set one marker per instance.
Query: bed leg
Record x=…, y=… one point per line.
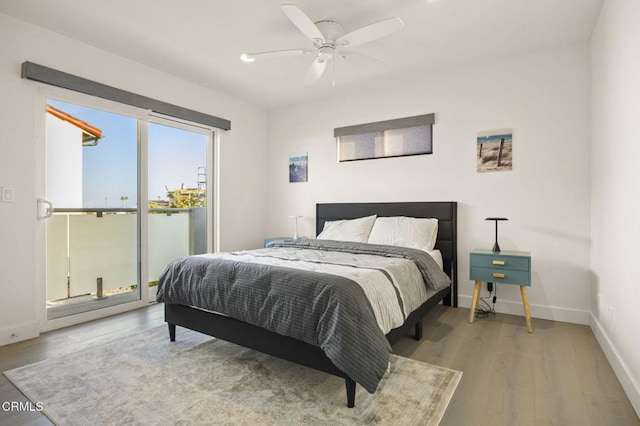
x=418, y=331
x=351, y=392
x=172, y=332
x=447, y=300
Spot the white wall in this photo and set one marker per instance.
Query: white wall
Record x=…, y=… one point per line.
x=615, y=181
x=543, y=96
x=241, y=223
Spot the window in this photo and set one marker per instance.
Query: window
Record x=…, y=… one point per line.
x=107, y=229
x=391, y=138
x=124, y=193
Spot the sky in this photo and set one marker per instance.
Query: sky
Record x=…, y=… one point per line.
x=110, y=168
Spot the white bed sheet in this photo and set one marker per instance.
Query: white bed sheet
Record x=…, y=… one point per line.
x=437, y=256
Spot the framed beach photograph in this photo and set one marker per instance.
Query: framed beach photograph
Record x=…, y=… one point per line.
x=495, y=150
x=298, y=167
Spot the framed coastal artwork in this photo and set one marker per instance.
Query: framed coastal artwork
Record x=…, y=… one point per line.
x=298, y=167
x=495, y=150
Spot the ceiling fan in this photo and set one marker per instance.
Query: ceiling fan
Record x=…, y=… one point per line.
x=328, y=40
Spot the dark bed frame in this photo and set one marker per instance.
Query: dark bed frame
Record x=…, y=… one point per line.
x=288, y=348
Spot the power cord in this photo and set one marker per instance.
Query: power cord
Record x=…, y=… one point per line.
x=484, y=309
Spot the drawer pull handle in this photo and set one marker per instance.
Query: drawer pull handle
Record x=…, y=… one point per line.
x=498, y=275
x=498, y=262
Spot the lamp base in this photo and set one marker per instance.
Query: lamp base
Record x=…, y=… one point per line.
x=496, y=248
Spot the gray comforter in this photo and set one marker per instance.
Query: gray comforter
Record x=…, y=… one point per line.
x=325, y=310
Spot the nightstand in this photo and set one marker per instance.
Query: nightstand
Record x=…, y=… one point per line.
x=504, y=267
x=268, y=241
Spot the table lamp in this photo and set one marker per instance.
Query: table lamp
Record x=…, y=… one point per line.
x=496, y=247
x=295, y=234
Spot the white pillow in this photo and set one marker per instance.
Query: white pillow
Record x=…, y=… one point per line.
x=404, y=231
x=348, y=230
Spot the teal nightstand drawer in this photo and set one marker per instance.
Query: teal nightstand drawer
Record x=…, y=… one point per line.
x=501, y=276
x=498, y=261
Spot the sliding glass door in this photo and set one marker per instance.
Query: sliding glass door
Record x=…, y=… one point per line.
x=124, y=194
x=178, y=194
x=93, y=234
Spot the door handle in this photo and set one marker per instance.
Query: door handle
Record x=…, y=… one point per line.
x=48, y=210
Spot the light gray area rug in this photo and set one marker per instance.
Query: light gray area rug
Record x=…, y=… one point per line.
x=146, y=380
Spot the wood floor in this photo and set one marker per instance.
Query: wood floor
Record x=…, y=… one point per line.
x=556, y=376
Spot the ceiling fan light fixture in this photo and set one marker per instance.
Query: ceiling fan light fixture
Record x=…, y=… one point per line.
x=326, y=52
x=247, y=57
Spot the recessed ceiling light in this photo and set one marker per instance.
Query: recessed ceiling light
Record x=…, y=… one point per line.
x=247, y=58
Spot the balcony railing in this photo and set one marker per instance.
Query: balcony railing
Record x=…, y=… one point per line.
x=88, y=248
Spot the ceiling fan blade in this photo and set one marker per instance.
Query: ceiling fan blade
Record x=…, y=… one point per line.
x=250, y=57
x=302, y=21
x=315, y=71
x=371, y=32
x=370, y=61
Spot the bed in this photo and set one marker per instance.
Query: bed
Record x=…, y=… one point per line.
x=275, y=337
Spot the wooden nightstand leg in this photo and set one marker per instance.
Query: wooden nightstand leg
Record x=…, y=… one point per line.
x=474, y=301
x=527, y=311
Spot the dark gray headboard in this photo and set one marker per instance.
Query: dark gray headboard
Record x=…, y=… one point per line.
x=445, y=211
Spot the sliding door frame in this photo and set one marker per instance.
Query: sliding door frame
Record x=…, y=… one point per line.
x=144, y=117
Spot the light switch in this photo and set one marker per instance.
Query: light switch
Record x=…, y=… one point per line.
x=7, y=195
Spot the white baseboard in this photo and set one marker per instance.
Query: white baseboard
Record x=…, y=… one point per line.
x=630, y=386
x=19, y=332
x=553, y=313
